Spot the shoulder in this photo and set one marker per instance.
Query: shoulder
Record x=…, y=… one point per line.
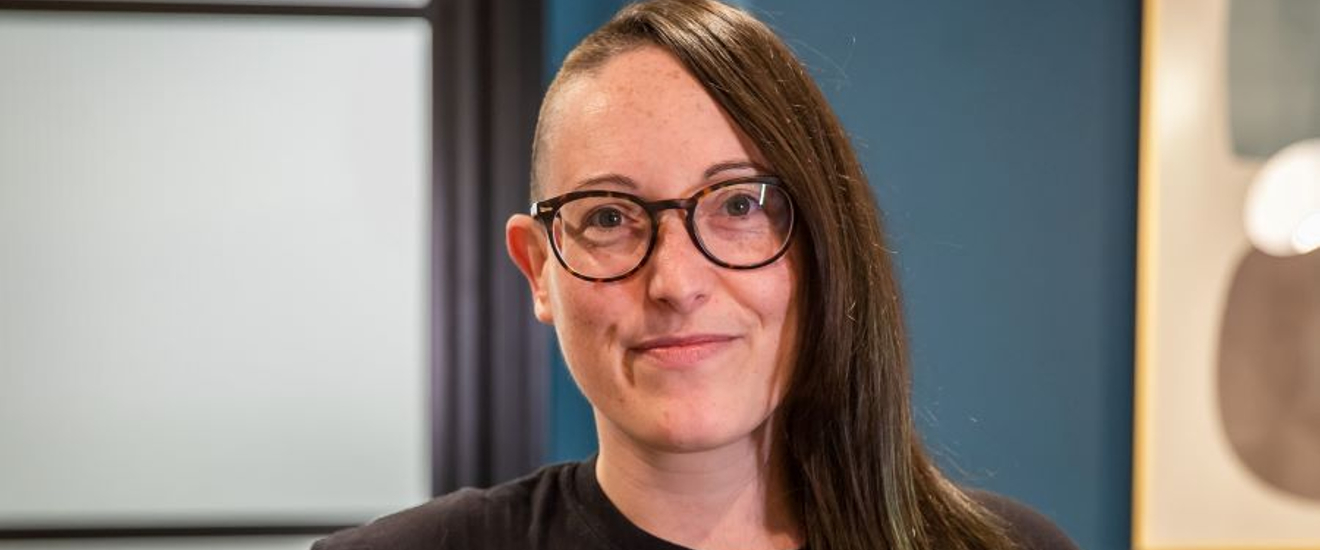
x=1030, y=529
x=499, y=517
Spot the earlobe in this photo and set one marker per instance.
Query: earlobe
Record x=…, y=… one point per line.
x=527, y=249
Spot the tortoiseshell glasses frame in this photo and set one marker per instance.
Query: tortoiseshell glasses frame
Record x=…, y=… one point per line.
x=757, y=213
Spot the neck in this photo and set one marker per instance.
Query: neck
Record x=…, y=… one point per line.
x=717, y=499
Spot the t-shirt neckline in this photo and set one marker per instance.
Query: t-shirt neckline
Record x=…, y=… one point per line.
x=606, y=518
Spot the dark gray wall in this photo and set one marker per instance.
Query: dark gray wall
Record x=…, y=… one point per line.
x=1001, y=138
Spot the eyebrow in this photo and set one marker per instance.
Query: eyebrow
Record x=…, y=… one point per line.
x=625, y=181
x=731, y=165
x=616, y=179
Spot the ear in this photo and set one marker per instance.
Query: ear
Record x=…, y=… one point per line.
x=528, y=249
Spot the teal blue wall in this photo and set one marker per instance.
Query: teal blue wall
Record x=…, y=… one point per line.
x=1001, y=138
x=572, y=429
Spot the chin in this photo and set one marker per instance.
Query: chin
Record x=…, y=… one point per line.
x=703, y=431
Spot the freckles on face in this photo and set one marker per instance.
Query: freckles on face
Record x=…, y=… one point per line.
x=601, y=125
x=586, y=321
x=683, y=354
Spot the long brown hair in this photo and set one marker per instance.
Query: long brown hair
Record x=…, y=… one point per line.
x=858, y=475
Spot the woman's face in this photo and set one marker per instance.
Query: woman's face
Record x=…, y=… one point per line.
x=683, y=355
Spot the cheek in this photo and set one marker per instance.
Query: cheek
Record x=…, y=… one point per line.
x=781, y=315
x=581, y=307
x=586, y=320
x=776, y=295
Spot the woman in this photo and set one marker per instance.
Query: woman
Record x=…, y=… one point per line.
x=706, y=246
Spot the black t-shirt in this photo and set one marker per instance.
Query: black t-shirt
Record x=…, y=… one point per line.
x=563, y=507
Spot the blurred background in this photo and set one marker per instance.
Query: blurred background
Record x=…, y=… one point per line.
x=253, y=286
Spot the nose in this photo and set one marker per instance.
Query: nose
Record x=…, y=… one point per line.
x=678, y=275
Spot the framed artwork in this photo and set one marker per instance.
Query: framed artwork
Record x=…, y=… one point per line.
x=1227, y=420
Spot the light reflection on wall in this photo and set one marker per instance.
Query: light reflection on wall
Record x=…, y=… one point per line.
x=1282, y=213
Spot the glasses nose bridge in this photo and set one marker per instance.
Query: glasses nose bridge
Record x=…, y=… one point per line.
x=688, y=206
x=656, y=208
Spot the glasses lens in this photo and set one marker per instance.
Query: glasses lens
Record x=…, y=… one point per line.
x=745, y=224
x=601, y=237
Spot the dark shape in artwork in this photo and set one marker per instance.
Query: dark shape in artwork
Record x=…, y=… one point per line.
x=1269, y=370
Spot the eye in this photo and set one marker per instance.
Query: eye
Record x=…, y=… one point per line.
x=739, y=205
x=605, y=217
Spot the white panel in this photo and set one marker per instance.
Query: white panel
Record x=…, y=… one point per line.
x=213, y=263
x=349, y=3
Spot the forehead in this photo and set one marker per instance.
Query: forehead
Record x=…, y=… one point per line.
x=642, y=116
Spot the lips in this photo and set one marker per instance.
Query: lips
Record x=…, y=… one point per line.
x=682, y=350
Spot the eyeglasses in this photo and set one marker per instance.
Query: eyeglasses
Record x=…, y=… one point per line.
x=605, y=236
